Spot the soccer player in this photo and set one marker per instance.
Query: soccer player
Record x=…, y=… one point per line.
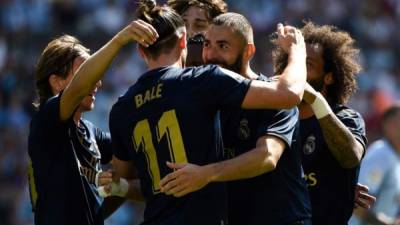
x=66, y=150
x=332, y=135
x=198, y=14
x=170, y=114
x=380, y=170
x=263, y=141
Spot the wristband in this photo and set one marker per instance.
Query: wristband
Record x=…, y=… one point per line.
x=120, y=189
x=320, y=106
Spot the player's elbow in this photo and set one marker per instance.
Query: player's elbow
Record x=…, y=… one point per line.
x=294, y=95
x=269, y=165
x=352, y=160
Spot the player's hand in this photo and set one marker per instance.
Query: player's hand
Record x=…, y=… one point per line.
x=309, y=94
x=362, y=198
x=186, y=179
x=139, y=31
x=290, y=38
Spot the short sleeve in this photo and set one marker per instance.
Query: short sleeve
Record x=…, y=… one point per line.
x=282, y=125
x=119, y=147
x=50, y=114
x=355, y=123
x=220, y=87
x=103, y=140
x=374, y=166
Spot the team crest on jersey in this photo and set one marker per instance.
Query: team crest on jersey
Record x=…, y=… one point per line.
x=244, y=130
x=309, y=146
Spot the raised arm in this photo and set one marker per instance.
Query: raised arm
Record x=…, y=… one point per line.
x=93, y=69
x=287, y=91
x=189, y=177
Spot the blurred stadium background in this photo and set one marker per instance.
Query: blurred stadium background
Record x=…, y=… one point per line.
x=27, y=25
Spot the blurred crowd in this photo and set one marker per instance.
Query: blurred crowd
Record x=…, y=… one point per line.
x=27, y=25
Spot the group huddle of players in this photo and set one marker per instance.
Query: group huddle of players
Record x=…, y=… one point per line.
x=210, y=140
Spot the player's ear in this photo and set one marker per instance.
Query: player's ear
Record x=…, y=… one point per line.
x=328, y=79
x=249, y=51
x=182, y=40
x=56, y=83
x=141, y=53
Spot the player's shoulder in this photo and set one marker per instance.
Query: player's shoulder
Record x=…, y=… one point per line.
x=197, y=71
x=345, y=111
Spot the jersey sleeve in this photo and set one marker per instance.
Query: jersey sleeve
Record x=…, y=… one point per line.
x=120, y=149
x=282, y=125
x=355, y=123
x=220, y=87
x=50, y=114
x=103, y=140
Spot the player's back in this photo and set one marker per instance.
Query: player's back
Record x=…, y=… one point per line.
x=170, y=114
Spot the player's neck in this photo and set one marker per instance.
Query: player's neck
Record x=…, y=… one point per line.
x=164, y=61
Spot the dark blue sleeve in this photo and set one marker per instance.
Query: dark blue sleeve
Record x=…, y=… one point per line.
x=103, y=140
x=282, y=125
x=116, y=124
x=354, y=122
x=50, y=115
x=220, y=87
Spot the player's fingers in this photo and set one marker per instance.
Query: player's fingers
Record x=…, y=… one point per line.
x=178, y=189
x=145, y=33
x=362, y=187
x=142, y=38
x=134, y=36
x=104, y=181
x=170, y=177
x=360, y=203
x=367, y=197
x=182, y=193
x=280, y=30
x=176, y=165
x=105, y=174
x=167, y=188
x=149, y=29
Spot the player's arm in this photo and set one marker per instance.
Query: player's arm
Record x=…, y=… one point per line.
x=93, y=69
x=190, y=177
x=347, y=150
x=287, y=91
x=123, y=184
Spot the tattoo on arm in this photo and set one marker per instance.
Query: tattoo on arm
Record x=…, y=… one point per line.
x=341, y=142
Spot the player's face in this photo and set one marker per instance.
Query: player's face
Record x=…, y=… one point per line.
x=315, y=66
x=196, y=20
x=224, y=48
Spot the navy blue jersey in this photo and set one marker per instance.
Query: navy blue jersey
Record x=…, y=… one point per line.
x=170, y=114
x=62, y=193
x=280, y=196
x=331, y=187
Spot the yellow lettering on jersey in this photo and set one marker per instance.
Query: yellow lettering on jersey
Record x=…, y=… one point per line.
x=138, y=100
x=150, y=94
x=311, y=179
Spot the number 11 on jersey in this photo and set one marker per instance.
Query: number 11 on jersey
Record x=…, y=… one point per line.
x=167, y=126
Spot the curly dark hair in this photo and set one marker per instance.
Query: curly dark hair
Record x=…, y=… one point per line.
x=213, y=7
x=340, y=57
